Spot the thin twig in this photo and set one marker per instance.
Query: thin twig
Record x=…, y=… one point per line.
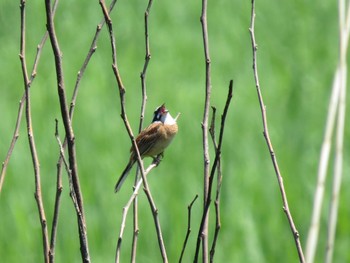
x=214, y=169
x=81, y=71
x=189, y=208
x=21, y=105
x=126, y=209
x=218, y=188
x=136, y=229
x=145, y=66
x=70, y=179
x=69, y=172
x=59, y=189
x=35, y=159
x=80, y=74
x=142, y=114
x=69, y=131
x=206, y=157
x=13, y=141
x=130, y=133
x=268, y=141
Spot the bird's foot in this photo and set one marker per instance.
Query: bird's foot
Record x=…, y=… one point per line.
x=158, y=158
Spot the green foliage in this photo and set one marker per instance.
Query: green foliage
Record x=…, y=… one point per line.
x=297, y=56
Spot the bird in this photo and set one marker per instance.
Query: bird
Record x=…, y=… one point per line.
x=151, y=141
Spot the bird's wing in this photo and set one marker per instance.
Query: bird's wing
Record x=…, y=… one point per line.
x=147, y=138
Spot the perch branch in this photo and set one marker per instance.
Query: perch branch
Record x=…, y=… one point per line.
x=126, y=209
x=35, y=159
x=130, y=133
x=268, y=141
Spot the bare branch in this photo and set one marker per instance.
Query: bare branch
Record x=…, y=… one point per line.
x=142, y=114
x=129, y=130
x=59, y=189
x=218, y=188
x=145, y=66
x=188, y=227
x=91, y=51
x=268, y=141
x=35, y=159
x=69, y=131
x=213, y=170
x=80, y=74
x=126, y=209
x=21, y=105
x=206, y=157
x=13, y=142
x=69, y=172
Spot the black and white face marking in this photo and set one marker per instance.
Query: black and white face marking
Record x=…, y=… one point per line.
x=160, y=114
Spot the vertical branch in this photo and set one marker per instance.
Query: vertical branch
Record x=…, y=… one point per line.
x=142, y=114
x=217, y=167
x=268, y=141
x=189, y=208
x=145, y=66
x=338, y=165
x=204, y=232
x=212, y=173
x=218, y=188
x=130, y=133
x=80, y=74
x=35, y=159
x=68, y=131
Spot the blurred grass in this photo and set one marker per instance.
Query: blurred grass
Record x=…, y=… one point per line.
x=297, y=57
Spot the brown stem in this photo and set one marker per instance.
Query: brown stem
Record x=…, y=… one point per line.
x=13, y=141
x=268, y=141
x=35, y=159
x=189, y=208
x=68, y=132
x=213, y=170
x=142, y=114
x=206, y=157
x=21, y=106
x=126, y=209
x=130, y=133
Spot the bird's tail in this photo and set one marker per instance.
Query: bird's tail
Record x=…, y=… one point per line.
x=123, y=176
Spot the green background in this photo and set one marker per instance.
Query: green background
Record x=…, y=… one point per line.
x=297, y=56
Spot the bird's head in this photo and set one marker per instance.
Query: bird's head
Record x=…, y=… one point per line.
x=160, y=113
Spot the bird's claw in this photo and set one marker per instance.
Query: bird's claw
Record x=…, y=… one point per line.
x=158, y=158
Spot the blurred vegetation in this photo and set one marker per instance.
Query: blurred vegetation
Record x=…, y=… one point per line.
x=298, y=48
